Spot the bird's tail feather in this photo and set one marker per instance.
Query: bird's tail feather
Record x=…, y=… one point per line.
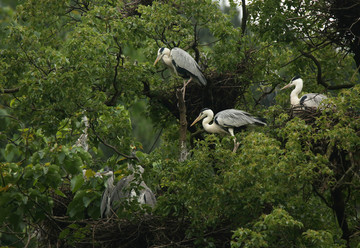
x=202, y=80
x=260, y=121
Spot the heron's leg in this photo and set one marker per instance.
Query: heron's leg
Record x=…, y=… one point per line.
x=236, y=145
x=184, y=87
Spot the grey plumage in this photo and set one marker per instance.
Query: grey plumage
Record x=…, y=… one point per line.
x=236, y=119
x=124, y=190
x=186, y=66
x=182, y=64
x=312, y=100
x=105, y=206
x=227, y=121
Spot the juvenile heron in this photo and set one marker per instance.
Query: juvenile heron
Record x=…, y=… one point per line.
x=227, y=121
x=181, y=63
x=312, y=100
x=123, y=190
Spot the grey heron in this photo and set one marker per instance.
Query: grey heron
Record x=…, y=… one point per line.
x=113, y=195
x=227, y=121
x=182, y=64
x=311, y=100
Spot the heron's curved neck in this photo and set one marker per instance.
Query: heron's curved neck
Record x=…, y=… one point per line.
x=168, y=62
x=110, y=182
x=294, y=96
x=210, y=128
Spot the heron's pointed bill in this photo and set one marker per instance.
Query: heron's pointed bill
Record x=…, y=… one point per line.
x=157, y=59
x=106, y=173
x=196, y=120
x=286, y=86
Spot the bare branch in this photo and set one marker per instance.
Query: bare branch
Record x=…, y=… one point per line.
x=319, y=77
x=322, y=197
x=112, y=147
x=244, y=17
x=9, y=91
x=112, y=101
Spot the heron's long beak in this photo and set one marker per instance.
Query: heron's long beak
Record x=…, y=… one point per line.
x=105, y=173
x=157, y=59
x=196, y=120
x=286, y=86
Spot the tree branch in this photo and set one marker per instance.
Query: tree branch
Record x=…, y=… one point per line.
x=321, y=197
x=264, y=94
x=183, y=125
x=319, y=77
x=113, y=147
x=244, y=17
x=194, y=45
x=9, y=91
x=112, y=101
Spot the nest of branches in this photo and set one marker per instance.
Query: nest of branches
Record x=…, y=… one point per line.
x=139, y=231
x=222, y=91
x=145, y=231
x=308, y=114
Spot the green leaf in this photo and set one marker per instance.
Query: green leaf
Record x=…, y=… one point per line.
x=77, y=182
x=59, y=192
x=64, y=233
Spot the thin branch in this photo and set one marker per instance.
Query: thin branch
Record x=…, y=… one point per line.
x=113, y=147
x=257, y=101
x=194, y=45
x=322, y=197
x=340, y=183
x=112, y=101
x=319, y=78
x=9, y=91
x=156, y=140
x=318, y=46
x=33, y=62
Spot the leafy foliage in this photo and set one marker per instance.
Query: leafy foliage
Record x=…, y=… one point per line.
x=293, y=183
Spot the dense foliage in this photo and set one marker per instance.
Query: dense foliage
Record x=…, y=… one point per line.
x=293, y=183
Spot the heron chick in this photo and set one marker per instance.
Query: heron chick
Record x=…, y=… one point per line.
x=123, y=190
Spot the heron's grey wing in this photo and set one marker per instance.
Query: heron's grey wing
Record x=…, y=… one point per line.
x=147, y=195
x=312, y=99
x=120, y=192
x=236, y=118
x=184, y=60
x=104, y=200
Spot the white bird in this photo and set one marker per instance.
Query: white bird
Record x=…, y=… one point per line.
x=311, y=100
x=182, y=64
x=227, y=121
x=113, y=195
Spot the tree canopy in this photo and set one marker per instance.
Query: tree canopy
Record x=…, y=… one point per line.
x=79, y=92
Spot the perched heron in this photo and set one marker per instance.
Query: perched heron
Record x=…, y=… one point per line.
x=181, y=63
x=311, y=100
x=113, y=195
x=227, y=121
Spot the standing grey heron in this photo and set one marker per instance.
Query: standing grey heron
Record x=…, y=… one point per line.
x=227, y=121
x=113, y=195
x=182, y=64
x=311, y=100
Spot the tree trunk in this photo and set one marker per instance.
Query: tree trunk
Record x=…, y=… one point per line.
x=339, y=208
x=183, y=125
x=341, y=165
x=346, y=13
x=244, y=17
